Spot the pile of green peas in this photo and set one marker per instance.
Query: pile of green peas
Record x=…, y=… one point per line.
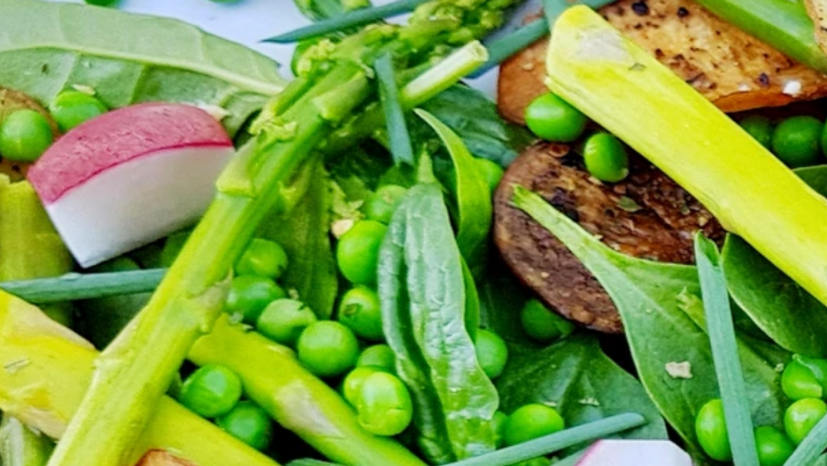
x=803, y=381
x=551, y=118
x=798, y=141
x=26, y=134
x=215, y=392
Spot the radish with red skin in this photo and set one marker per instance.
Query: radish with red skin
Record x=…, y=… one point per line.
x=635, y=453
x=130, y=176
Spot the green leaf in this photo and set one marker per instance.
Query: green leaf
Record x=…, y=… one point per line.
x=47, y=47
x=423, y=297
x=470, y=192
x=575, y=377
x=664, y=323
x=304, y=233
x=724, y=345
x=473, y=116
x=778, y=305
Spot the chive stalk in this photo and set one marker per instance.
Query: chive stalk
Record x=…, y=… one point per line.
x=134, y=371
x=76, y=287
x=743, y=185
x=348, y=20
x=400, y=139
x=503, y=48
x=721, y=331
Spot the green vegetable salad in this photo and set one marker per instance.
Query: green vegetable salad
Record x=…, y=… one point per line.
x=339, y=296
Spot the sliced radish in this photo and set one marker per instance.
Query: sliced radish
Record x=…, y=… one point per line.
x=635, y=453
x=130, y=176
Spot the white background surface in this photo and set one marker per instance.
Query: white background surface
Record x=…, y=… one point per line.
x=247, y=22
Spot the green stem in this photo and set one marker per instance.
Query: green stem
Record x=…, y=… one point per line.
x=297, y=400
x=22, y=446
x=76, y=287
x=400, y=139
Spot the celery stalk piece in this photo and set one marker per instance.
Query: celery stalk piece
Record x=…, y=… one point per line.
x=784, y=24
x=274, y=378
x=751, y=192
x=46, y=369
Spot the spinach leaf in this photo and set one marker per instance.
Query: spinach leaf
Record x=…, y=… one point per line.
x=303, y=231
x=46, y=47
x=423, y=298
x=670, y=349
x=780, y=307
x=473, y=116
x=470, y=192
x=580, y=381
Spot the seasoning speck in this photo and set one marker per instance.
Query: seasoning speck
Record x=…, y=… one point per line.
x=628, y=204
x=682, y=12
x=15, y=366
x=641, y=8
x=637, y=67
x=679, y=370
x=764, y=79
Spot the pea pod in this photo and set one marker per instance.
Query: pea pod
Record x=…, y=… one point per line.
x=423, y=297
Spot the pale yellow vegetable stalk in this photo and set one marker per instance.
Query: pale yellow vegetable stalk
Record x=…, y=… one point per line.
x=623, y=88
x=45, y=370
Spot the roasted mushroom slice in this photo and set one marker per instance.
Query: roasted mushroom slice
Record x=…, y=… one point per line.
x=647, y=215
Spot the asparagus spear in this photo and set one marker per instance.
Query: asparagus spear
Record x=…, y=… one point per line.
x=133, y=372
x=297, y=400
x=46, y=369
x=751, y=192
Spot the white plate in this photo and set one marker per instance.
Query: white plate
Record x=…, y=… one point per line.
x=248, y=22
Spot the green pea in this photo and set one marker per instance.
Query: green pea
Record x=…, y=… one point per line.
x=248, y=423
x=328, y=348
x=353, y=382
x=710, y=428
x=24, y=136
x=211, y=391
x=249, y=295
x=491, y=172
x=774, y=448
x=802, y=416
x=796, y=141
x=499, y=422
x=284, y=320
x=760, y=128
x=380, y=356
x=543, y=324
x=492, y=353
x=263, y=258
x=361, y=310
x=358, y=251
x=798, y=382
x=553, y=119
x=530, y=422
x=384, y=405
x=381, y=205
x=606, y=158
x=71, y=108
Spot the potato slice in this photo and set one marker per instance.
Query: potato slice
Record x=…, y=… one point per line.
x=818, y=11
x=734, y=70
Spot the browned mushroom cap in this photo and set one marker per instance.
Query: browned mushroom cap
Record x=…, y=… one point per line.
x=11, y=101
x=647, y=216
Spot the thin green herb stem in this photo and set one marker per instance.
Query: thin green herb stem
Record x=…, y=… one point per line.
x=400, y=139
x=812, y=447
x=347, y=20
x=75, y=287
x=721, y=331
x=556, y=442
x=504, y=48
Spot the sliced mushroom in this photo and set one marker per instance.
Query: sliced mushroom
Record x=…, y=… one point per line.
x=647, y=216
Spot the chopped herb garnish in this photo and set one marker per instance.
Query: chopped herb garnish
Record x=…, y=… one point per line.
x=628, y=204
